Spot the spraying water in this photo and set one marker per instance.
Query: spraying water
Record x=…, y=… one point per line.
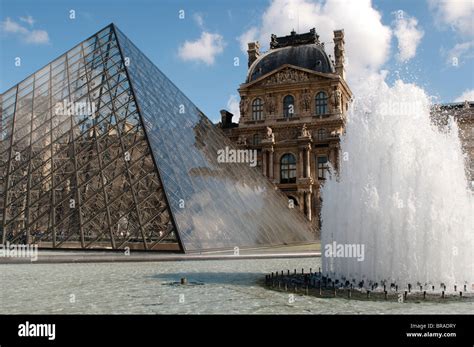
x=401, y=196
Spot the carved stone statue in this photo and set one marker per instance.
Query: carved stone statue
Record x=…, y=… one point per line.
x=337, y=95
x=304, y=131
x=270, y=104
x=269, y=132
x=270, y=135
x=243, y=105
x=339, y=52
x=305, y=101
x=274, y=41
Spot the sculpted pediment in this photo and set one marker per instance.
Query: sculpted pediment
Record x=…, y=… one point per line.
x=289, y=74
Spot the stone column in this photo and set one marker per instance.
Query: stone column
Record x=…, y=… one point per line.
x=308, y=166
x=264, y=162
x=270, y=164
x=308, y=205
x=300, y=163
x=339, y=52
x=253, y=51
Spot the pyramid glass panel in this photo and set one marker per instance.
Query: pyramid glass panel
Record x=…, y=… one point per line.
x=100, y=150
x=214, y=204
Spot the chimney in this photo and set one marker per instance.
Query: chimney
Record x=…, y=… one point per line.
x=226, y=119
x=253, y=51
x=339, y=53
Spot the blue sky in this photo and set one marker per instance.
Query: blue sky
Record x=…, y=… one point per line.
x=198, y=52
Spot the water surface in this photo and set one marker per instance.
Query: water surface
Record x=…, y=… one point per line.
x=228, y=287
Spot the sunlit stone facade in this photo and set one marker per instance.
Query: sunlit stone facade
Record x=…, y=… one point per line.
x=293, y=107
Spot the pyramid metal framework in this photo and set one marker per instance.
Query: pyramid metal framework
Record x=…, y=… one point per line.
x=100, y=150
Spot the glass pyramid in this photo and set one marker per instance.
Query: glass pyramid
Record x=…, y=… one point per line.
x=100, y=150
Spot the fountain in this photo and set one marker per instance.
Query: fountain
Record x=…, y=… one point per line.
x=401, y=198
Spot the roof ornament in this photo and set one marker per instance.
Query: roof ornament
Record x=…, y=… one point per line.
x=295, y=39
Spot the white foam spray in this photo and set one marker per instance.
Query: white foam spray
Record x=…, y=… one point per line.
x=402, y=192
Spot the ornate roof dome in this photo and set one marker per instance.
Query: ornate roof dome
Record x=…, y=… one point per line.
x=302, y=50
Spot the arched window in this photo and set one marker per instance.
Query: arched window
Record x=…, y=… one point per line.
x=288, y=106
x=323, y=167
x=257, y=139
x=257, y=109
x=321, y=134
x=288, y=168
x=321, y=104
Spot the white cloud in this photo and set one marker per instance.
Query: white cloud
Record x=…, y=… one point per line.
x=466, y=95
x=460, y=53
x=37, y=36
x=198, y=18
x=10, y=27
x=28, y=19
x=233, y=107
x=204, y=49
x=248, y=36
x=367, y=38
x=456, y=14
x=407, y=34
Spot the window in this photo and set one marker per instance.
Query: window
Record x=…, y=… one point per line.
x=288, y=168
x=257, y=139
x=321, y=104
x=321, y=134
x=257, y=109
x=322, y=167
x=288, y=106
